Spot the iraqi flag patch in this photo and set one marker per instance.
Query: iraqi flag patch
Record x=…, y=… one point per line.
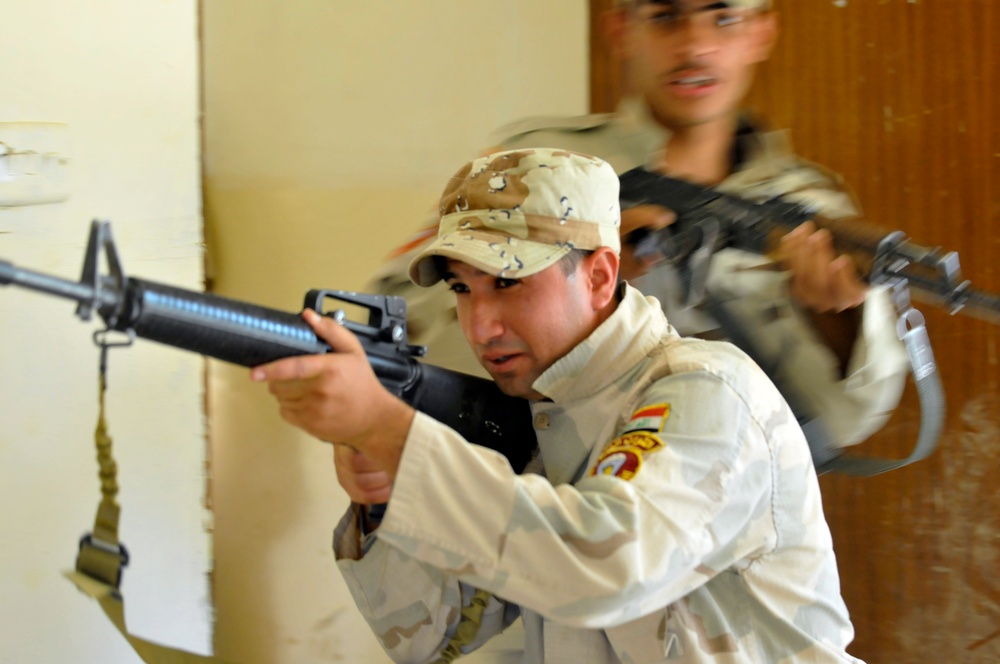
x=649, y=418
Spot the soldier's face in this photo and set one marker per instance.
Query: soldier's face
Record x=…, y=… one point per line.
x=693, y=60
x=519, y=327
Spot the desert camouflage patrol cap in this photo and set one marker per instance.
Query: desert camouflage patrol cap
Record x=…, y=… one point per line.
x=515, y=213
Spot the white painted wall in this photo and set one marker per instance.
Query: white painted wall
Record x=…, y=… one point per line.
x=331, y=127
x=123, y=76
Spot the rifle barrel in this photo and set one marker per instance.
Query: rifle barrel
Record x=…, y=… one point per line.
x=46, y=283
x=222, y=328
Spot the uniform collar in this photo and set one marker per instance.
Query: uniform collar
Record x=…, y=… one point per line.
x=611, y=350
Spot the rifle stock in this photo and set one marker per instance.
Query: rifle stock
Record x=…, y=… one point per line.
x=249, y=335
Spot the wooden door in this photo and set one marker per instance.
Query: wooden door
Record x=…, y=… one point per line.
x=901, y=97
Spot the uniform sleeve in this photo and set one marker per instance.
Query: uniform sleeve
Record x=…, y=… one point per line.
x=852, y=406
x=608, y=549
x=415, y=611
x=858, y=404
x=876, y=373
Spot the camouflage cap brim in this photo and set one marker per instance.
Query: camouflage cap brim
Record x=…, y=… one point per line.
x=499, y=255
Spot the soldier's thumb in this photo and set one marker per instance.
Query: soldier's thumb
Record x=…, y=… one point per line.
x=341, y=339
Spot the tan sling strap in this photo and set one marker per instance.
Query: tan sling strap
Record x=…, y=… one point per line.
x=102, y=556
x=468, y=627
x=113, y=606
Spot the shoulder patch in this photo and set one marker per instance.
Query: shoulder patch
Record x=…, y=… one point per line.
x=623, y=456
x=649, y=418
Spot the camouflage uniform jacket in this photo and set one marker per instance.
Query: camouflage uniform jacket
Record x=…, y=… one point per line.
x=674, y=515
x=852, y=407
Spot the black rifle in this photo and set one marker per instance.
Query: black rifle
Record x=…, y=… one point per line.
x=250, y=335
x=708, y=221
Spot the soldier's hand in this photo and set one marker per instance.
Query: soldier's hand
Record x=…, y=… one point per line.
x=828, y=286
x=821, y=281
x=363, y=480
x=650, y=218
x=337, y=398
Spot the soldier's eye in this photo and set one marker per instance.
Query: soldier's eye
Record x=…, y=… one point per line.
x=727, y=19
x=665, y=17
x=506, y=283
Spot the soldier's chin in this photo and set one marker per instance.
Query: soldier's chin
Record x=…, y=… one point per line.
x=521, y=390
x=512, y=386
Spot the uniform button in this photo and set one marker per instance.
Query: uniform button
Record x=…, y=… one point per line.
x=542, y=421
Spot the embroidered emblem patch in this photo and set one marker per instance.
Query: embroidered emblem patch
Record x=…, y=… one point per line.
x=623, y=455
x=649, y=418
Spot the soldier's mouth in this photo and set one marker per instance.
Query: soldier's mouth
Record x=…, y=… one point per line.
x=500, y=362
x=693, y=84
x=694, y=81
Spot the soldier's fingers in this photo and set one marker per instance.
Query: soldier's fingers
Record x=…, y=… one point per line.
x=301, y=367
x=343, y=455
x=653, y=217
x=813, y=252
x=821, y=246
x=288, y=391
x=359, y=463
x=339, y=337
x=848, y=289
x=807, y=275
x=373, y=481
x=632, y=266
x=363, y=486
x=816, y=258
x=790, y=246
x=799, y=233
x=376, y=496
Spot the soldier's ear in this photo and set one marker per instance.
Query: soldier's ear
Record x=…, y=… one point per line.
x=614, y=29
x=601, y=268
x=764, y=35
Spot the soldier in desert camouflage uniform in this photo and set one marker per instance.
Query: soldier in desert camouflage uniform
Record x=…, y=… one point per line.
x=672, y=512
x=690, y=64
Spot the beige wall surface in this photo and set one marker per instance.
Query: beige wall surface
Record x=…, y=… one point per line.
x=330, y=128
x=120, y=77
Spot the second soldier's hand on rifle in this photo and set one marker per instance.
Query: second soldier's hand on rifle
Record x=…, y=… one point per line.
x=337, y=398
x=821, y=281
x=827, y=286
x=649, y=217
